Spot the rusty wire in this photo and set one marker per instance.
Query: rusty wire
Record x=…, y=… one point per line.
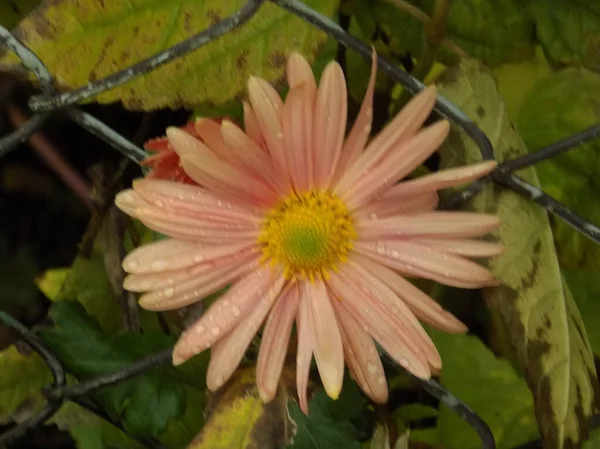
x=49, y=101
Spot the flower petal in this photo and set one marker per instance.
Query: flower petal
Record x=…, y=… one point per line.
x=252, y=127
x=326, y=338
x=201, y=283
x=227, y=353
x=424, y=307
x=383, y=208
x=275, y=341
x=452, y=224
x=231, y=308
x=361, y=356
x=378, y=323
x=396, y=165
x=297, y=136
x=304, y=354
x=440, y=180
x=426, y=262
x=399, y=130
x=210, y=133
x=202, y=165
x=330, y=116
x=299, y=72
x=359, y=134
x=463, y=247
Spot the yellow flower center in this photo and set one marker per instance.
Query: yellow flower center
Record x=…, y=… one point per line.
x=308, y=234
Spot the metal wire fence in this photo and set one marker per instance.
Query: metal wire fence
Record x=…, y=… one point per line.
x=49, y=101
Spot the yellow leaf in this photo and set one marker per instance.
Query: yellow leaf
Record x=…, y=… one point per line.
x=238, y=419
x=50, y=283
x=541, y=321
x=85, y=40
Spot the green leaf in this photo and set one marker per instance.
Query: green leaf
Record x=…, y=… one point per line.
x=488, y=385
x=328, y=424
x=11, y=11
x=569, y=30
x=554, y=109
x=494, y=31
x=21, y=382
x=531, y=303
x=82, y=41
x=144, y=404
x=238, y=418
x=593, y=441
x=586, y=292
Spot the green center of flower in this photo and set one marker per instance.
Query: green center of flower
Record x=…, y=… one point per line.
x=308, y=234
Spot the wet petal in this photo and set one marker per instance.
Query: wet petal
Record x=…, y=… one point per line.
x=297, y=135
x=331, y=110
x=400, y=129
x=449, y=224
x=299, y=72
x=361, y=356
x=227, y=353
x=383, y=208
x=210, y=132
x=275, y=341
x=396, y=165
x=326, y=338
x=424, y=307
x=252, y=127
x=426, y=262
x=462, y=247
x=305, y=347
x=263, y=284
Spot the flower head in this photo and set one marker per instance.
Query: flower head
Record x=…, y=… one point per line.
x=311, y=227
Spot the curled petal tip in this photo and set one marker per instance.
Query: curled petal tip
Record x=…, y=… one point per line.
x=178, y=359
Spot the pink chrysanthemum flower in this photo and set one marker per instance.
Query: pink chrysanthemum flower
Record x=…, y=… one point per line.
x=309, y=228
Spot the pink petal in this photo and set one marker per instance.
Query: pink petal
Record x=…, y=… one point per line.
x=305, y=347
x=297, y=136
x=424, y=308
x=274, y=343
x=460, y=247
x=384, y=208
x=326, y=338
x=252, y=127
x=329, y=123
x=192, y=200
x=210, y=132
x=203, y=166
x=171, y=254
x=299, y=72
x=361, y=356
x=227, y=353
x=263, y=284
x=405, y=321
x=251, y=156
x=359, y=134
x=200, y=283
x=426, y=262
x=397, y=164
x=452, y=224
x=399, y=130
x=378, y=323
x=441, y=180
x=268, y=108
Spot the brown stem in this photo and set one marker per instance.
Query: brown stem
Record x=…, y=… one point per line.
x=52, y=157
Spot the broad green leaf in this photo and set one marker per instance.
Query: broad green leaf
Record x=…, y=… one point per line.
x=488, y=385
x=11, y=11
x=51, y=282
x=329, y=424
x=569, y=30
x=554, y=109
x=21, y=381
x=237, y=417
x=144, y=404
x=531, y=302
x=586, y=292
x=593, y=441
x=82, y=41
x=495, y=31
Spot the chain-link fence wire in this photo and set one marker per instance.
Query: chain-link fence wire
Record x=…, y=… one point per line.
x=50, y=101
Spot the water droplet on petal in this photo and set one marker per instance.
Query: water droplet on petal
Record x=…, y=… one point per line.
x=158, y=203
x=168, y=292
x=199, y=330
x=159, y=265
x=235, y=310
x=381, y=380
x=279, y=135
x=372, y=368
x=198, y=258
x=215, y=331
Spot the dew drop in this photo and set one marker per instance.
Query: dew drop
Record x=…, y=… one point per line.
x=279, y=135
x=132, y=264
x=395, y=254
x=372, y=368
x=199, y=330
x=235, y=310
x=128, y=197
x=373, y=216
x=226, y=302
x=198, y=258
x=215, y=331
x=381, y=380
x=158, y=203
x=168, y=292
x=380, y=248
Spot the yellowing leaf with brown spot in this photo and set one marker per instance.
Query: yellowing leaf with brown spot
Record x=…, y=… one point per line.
x=535, y=308
x=85, y=40
x=238, y=419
